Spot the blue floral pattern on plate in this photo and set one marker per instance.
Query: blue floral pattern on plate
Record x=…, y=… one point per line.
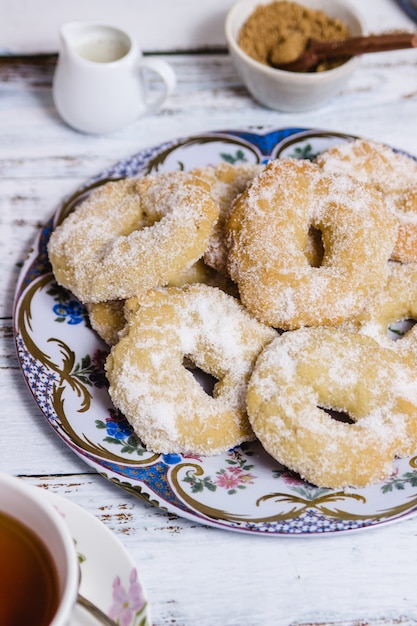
x=62, y=361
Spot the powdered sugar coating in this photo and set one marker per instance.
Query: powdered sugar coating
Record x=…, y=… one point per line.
x=393, y=173
x=268, y=233
x=396, y=302
x=304, y=372
x=132, y=235
x=168, y=409
x=226, y=182
x=108, y=318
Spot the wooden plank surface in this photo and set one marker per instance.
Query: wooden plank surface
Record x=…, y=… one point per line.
x=196, y=575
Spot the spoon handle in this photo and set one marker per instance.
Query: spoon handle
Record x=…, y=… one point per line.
x=363, y=45
x=317, y=51
x=95, y=611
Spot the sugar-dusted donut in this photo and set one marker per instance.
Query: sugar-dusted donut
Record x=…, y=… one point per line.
x=168, y=409
x=303, y=373
x=393, y=173
x=396, y=302
x=268, y=233
x=131, y=235
x=226, y=182
x=388, y=318
x=108, y=318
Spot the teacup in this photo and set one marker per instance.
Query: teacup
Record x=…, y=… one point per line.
x=100, y=84
x=38, y=561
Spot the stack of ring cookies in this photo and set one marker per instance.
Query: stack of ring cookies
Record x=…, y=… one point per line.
x=279, y=284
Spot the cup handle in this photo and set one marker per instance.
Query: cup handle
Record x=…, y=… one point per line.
x=165, y=73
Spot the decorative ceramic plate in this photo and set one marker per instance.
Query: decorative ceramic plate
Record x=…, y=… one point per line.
x=62, y=362
x=109, y=578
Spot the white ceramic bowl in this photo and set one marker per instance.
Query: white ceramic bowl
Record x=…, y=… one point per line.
x=291, y=91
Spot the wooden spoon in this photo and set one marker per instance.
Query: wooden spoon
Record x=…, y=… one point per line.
x=319, y=51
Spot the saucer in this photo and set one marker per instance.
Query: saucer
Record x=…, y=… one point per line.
x=109, y=577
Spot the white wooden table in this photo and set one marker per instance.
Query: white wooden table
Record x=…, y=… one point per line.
x=196, y=575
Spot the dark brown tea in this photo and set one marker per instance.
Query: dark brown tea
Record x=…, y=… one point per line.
x=28, y=581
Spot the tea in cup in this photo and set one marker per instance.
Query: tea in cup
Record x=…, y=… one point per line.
x=100, y=84
x=38, y=561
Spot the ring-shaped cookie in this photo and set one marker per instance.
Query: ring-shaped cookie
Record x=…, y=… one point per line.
x=388, y=318
x=393, y=173
x=149, y=382
x=131, y=235
x=396, y=302
x=108, y=318
x=303, y=374
x=268, y=233
x=226, y=182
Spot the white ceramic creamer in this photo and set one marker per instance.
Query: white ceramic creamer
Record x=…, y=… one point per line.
x=99, y=83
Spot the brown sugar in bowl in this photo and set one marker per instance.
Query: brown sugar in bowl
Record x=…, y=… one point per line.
x=283, y=90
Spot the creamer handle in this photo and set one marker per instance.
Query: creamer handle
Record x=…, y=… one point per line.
x=167, y=76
